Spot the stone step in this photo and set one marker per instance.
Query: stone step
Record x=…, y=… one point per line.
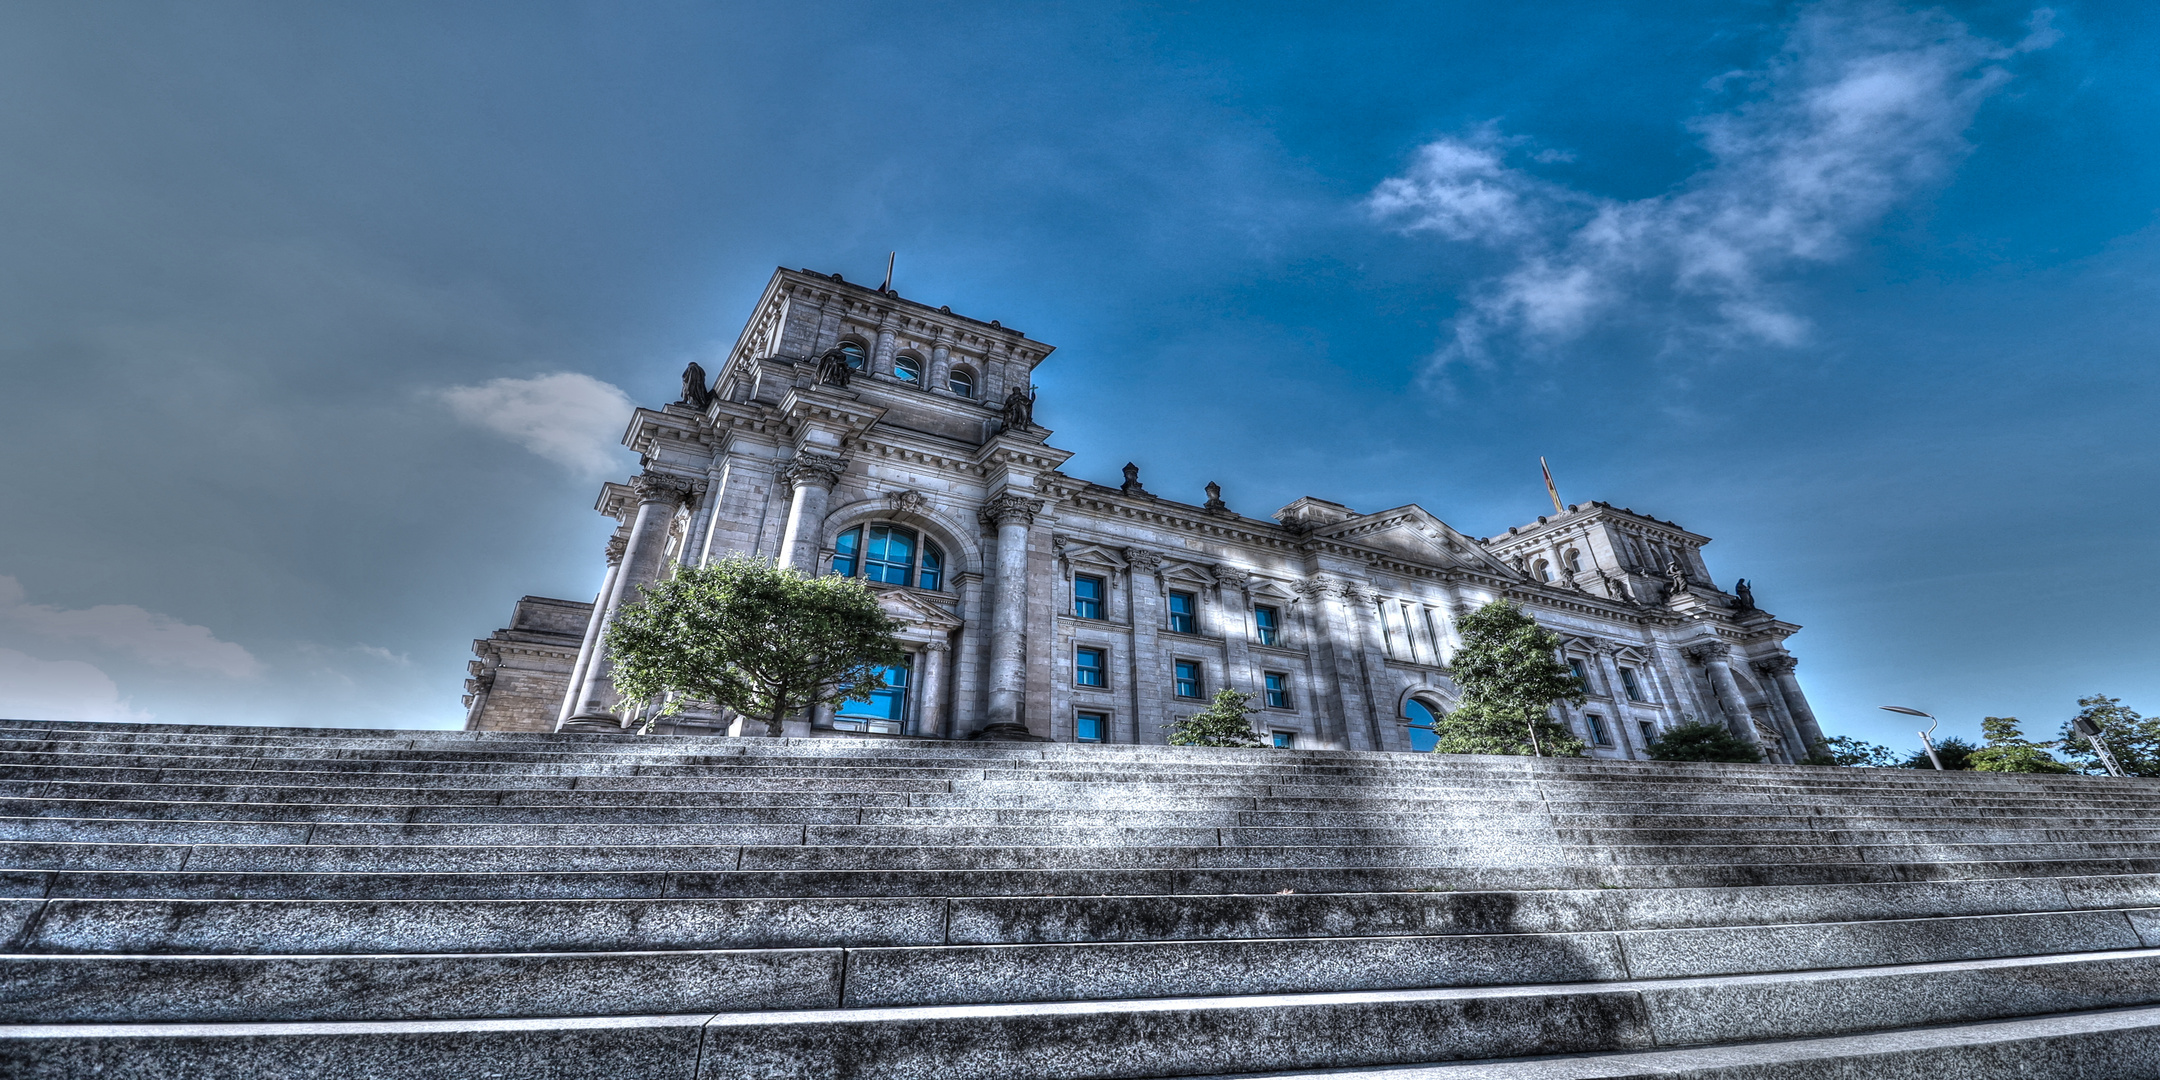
x=379, y=925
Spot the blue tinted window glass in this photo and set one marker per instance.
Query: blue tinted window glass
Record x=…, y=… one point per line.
x=854, y=354
x=1598, y=734
x=1264, y=619
x=1181, y=612
x=889, y=555
x=1627, y=681
x=1277, y=686
x=907, y=369
x=884, y=710
x=933, y=566
x=1087, y=596
x=1286, y=739
x=1188, y=678
x=1088, y=667
x=844, y=549
x=1421, y=720
x=1088, y=727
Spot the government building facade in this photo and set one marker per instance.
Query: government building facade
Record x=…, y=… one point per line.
x=851, y=431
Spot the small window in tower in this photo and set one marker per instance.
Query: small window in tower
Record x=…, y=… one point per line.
x=1544, y=570
x=1574, y=561
x=961, y=382
x=1581, y=675
x=1276, y=685
x=1598, y=734
x=1285, y=740
x=1183, y=606
x=1089, y=726
x=1090, y=668
x=908, y=369
x=854, y=352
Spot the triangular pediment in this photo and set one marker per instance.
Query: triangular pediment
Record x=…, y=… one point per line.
x=1414, y=534
x=1187, y=573
x=1084, y=554
x=916, y=610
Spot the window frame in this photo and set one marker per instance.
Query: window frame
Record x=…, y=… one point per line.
x=1102, y=721
x=1282, y=740
x=1631, y=684
x=1600, y=735
x=1101, y=599
x=927, y=559
x=856, y=352
x=1101, y=668
x=1275, y=690
x=1191, y=615
x=1267, y=631
x=915, y=364
x=1178, y=681
x=962, y=373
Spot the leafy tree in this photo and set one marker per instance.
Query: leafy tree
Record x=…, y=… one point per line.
x=1702, y=741
x=2008, y=750
x=1952, y=750
x=1510, y=675
x=1844, y=750
x=761, y=640
x=2134, y=739
x=1222, y=723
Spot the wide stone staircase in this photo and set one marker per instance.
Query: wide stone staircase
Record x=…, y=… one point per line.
x=271, y=902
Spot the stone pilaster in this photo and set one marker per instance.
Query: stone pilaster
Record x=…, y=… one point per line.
x=812, y=476
x=1143, y=661
x=1013, y=516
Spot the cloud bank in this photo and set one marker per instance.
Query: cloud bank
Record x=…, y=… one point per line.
x=1864, y=107
x=34, y=689
x=573, y=420
x=159, y=639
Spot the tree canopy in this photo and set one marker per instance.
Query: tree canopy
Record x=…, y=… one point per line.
x=2134, y=739
x=1222, y=723
x=743, y=634
x=1701, y=741
x=1510, y=673
x=2008, y=750
x=1849, y=752
x=1953, y=751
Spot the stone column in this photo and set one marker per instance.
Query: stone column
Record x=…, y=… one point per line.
x=931, y=691
x=1143, y=611
x=1012, y=515
x=940, y=361
x=1233, y=606
x=883, y=361
x=574, y=693
x=645, y=553
x=1362, y=606
x=1716, y=657
x=812, y=476
x=1780, y=669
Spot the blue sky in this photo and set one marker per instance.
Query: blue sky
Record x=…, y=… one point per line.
x=311, y=315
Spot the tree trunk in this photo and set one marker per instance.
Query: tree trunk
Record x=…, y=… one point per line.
x=773, y=726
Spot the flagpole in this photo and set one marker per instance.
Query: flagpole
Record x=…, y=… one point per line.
x=889, y=257
x=1549, y=488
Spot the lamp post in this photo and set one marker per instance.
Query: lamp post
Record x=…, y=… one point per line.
x=1924, y=740
x=2091, y=731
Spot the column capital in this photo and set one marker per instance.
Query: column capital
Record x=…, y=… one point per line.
x=653, y=487
x=1011, y=509
x=935, y=646
x=616, y=545
x=1780, y=664
x=812, y=470
x=1710, y=652
x=1144, y=561
x=1232, y=577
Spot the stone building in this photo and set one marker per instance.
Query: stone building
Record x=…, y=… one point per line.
x=852, y=431
x=524, y=668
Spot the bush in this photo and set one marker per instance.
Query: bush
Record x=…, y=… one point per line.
x=1222, y=723
x=1703, y=742
x=1846, y=751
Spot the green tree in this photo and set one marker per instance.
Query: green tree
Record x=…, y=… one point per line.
x=763, y=641
x=1702, y=741
x=1509, y=670
x=2008, y=750
x=1844, y=750
x=1953, y=751
x=1222, y=723
x=2134, y=739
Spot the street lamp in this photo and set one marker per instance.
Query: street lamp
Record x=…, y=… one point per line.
x=1924, y=740
x=2091, y=731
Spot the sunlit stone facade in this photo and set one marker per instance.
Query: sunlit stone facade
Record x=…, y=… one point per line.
x=852, y=430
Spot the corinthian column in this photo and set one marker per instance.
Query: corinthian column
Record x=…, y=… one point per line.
x=646, y=550
x=575, y=692
x=1716, y=656
x=1780, y=669
x=1012, y=515
x=812, y=476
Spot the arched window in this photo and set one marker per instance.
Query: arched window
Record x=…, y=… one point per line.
x=893, y=554
x=1544, y=570
x=908, y=369
x=1422, y=718
x=1574, y=561
x=961, y=381
x=856, y=357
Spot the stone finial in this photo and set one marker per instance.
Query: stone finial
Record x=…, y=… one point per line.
x=812, y=470
x=1214, y=504
x=1131, y=486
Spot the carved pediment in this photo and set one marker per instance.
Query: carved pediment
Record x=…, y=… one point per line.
x=1184, y=573
x=1413, y=534
x=1091, y=555
x=917, y=610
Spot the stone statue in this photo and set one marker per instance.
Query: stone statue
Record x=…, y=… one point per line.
x=1019, y=409
x=694, y=393
x=1746, y=595
x=1677, y=579
x=833, y=369
x=1131, y=486
x=1215, y=505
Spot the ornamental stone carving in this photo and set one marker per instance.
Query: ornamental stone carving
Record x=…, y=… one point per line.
x=1710, y=652
x=1144, y=561
x=906, y=502
x=812, y=470
x=616, y=546
x=1313, y=588
x=1009, y=509
x=1774, y=666
x=652, y=487
x=1232, y=577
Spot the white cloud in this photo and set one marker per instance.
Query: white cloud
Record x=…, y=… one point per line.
x=1866, y=106
x=34, y=689
x=573, y=420
x=160, y=639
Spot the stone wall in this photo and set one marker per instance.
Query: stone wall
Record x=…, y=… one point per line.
x=523, y=670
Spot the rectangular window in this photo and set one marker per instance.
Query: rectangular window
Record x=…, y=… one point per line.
x=1188, y=678
x=1598, y=734
x=1182, y=608
x=1269, y=623
x=1575, y=666
x=1277, y=687
x=1285, y=739
x=1628, y=683
x=1089, y=727
x=1087, y=596
x=1649, y=731
x=1089, y=668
